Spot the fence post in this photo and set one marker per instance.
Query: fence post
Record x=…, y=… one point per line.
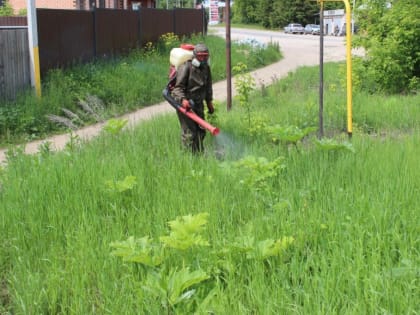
x=174, y=21
x=140, y=39
x=94, y=31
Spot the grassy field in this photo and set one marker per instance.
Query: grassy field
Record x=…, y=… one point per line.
x=267, y=221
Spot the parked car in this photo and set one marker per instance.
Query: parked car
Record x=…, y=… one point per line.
x=294, y=28
x=312, y=29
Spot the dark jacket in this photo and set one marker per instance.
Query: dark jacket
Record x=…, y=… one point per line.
x=193, y=83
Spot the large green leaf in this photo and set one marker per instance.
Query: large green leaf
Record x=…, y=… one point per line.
x=185, y=232
x=138, y=250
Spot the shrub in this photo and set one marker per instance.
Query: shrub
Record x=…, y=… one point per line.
x=391, y=39
x=6, y=9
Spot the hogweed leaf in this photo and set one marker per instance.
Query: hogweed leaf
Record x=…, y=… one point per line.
x=114, y=126
x=174, y=287
x=270, y=248
x=127, y=183
x=156, y=285
x=244, y=243
x=179, y=281
x=406, y=269
x=120, y=186
x=189, y=223
x=139, y=251
x=288, y=134
x=333, y=145
x=259, y=170
x=185, y=232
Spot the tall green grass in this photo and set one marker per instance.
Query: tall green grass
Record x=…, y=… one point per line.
x=352, y=215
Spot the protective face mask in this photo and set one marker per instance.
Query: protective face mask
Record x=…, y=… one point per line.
x=195, y=62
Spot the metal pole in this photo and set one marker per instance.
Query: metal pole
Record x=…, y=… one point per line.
x=349, y=65
x=352, y=17
x=321, y=71
x=349, y=70
x=228, y=58
x=33, y=47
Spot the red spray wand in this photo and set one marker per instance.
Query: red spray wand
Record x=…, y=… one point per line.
x=190, y=114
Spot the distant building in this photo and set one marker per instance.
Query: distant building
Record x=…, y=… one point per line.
x=337, y=19
x=18, y=5
x=334, y=20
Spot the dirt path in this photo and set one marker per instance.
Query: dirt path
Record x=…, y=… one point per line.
x=298, y=50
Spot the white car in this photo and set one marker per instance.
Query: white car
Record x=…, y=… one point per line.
x=294, y=28
x=313, y=29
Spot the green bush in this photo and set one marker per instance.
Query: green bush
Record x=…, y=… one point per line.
x=6, y=9
x=390, y=37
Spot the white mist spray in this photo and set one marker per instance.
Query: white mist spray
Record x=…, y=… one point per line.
x=226, y=147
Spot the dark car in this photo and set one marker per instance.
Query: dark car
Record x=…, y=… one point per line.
x=312, y=29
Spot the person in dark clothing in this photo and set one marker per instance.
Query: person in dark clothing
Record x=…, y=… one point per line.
x=194, y=86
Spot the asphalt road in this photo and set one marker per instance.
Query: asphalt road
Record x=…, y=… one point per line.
x=298, y=50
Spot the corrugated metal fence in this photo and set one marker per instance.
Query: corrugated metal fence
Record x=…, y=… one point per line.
x=68, y=36
x=14, y=61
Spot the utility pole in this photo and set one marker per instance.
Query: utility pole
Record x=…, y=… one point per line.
x=228, y=57
x=33, y=47
x=321, y=71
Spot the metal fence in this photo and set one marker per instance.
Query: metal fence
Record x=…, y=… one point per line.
x=14, y=61
x=13, y=21
x=69, y=36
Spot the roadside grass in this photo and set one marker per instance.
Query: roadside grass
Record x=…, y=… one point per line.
x=85, y=94
x=344, y=219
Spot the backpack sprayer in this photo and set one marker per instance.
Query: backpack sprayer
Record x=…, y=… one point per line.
x=177, y=57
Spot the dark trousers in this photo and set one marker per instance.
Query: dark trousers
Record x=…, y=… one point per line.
x=192, y=135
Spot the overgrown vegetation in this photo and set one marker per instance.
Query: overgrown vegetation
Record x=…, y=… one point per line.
x=93, y=92
x=270, y=220
x=390, y=36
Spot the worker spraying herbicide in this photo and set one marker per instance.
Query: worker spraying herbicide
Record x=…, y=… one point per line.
x=190, y=85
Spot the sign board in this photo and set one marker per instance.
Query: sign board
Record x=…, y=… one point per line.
x=214, y=12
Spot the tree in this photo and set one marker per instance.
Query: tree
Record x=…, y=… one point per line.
x=6, y=9
x=390, y=35
x=245, y=11
x=278, y=13
x=263, y=10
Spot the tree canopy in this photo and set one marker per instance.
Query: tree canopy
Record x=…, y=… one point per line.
x=390, y=33
x=278, y=13
x=6, y=9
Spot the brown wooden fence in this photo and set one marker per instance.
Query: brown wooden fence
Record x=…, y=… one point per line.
x=68, y=36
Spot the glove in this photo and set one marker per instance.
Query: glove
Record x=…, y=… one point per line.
x=186, y=104
x=210, y=107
